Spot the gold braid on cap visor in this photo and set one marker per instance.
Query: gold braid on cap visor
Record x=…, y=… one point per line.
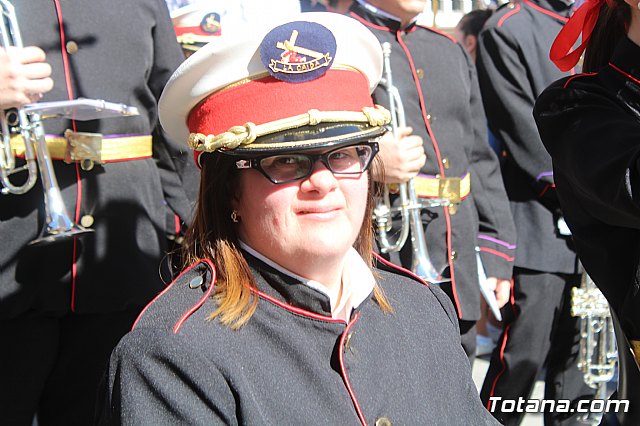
x=247, y=134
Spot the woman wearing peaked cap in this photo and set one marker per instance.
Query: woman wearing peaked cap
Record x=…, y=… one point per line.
x=282, y=315
x=590, y=124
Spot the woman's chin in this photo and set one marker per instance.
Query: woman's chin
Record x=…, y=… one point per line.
x=325, y=248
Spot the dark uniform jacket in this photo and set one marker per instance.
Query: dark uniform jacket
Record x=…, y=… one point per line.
x=291, y=363
x=513, y=69
x=121, y=51
x=590, y=124
x=438, y=85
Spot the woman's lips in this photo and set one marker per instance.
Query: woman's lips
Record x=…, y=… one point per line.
x=317, y=210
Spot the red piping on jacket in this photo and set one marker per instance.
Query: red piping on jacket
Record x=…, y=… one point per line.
x=507, y=15
x=569, y=80
x=497, y=253
x=343, y=370
x=503, y=345
x=206, y=294
x=195, y=307
x=176, y=224
x=65, y=58
x=67, y=77
x=325, y=318
x=74, y=265
x=400, y=268
x=629, y=76
x=545, y=11
x=434, y=30
x=539, y=9
x=553, y=15
x=295, y=310
x=533, y=6
x=436, y=148
x=546, y=188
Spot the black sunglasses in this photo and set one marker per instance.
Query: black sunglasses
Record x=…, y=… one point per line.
x=284, y=168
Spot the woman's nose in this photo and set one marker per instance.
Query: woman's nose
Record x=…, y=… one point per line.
x=320, y=179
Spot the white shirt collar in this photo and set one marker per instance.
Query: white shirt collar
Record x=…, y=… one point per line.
x=357, y=282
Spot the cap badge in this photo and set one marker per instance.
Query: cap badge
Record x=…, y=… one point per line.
x=210, y=23
x=298, y=51
x=243, y=164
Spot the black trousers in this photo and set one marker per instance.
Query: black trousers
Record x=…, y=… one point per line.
x=52, y=366
x=538, y=331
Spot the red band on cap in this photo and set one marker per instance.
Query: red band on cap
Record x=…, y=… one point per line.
x=197, y=30
x=267, y=99
x=582, y=21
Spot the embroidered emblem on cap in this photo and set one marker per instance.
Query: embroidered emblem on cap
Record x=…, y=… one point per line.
x=298, y=51
x=210, y=23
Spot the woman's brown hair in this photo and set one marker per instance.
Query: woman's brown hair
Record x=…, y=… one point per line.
x=212, y=236
x=611, y=26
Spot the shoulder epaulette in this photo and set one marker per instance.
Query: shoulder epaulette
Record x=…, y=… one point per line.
x=184, y=296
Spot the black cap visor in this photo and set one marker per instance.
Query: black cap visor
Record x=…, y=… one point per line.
x=325, y=135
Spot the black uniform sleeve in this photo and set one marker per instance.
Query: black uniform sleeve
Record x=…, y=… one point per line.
x=496, y=233
x=156, y=378
x=509, y=99
x=178, y=173
x=594, y=144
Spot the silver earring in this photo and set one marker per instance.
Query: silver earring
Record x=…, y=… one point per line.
x=234, y=216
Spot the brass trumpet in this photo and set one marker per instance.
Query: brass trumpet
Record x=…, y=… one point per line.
x=410, y=206
x=598, y=354
x=27, y=123
x=58, y=223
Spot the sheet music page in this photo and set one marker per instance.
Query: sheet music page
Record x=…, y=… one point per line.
x=487, y=292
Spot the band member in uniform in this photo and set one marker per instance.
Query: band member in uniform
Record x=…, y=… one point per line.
x=591, y=127
x=466, y=32
x=514, y=67
x=439, y=89
x=64, y=306
x=284, y=316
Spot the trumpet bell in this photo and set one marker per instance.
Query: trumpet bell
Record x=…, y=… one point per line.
x=425, y=270
x=59, y=226
x=55, y=235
